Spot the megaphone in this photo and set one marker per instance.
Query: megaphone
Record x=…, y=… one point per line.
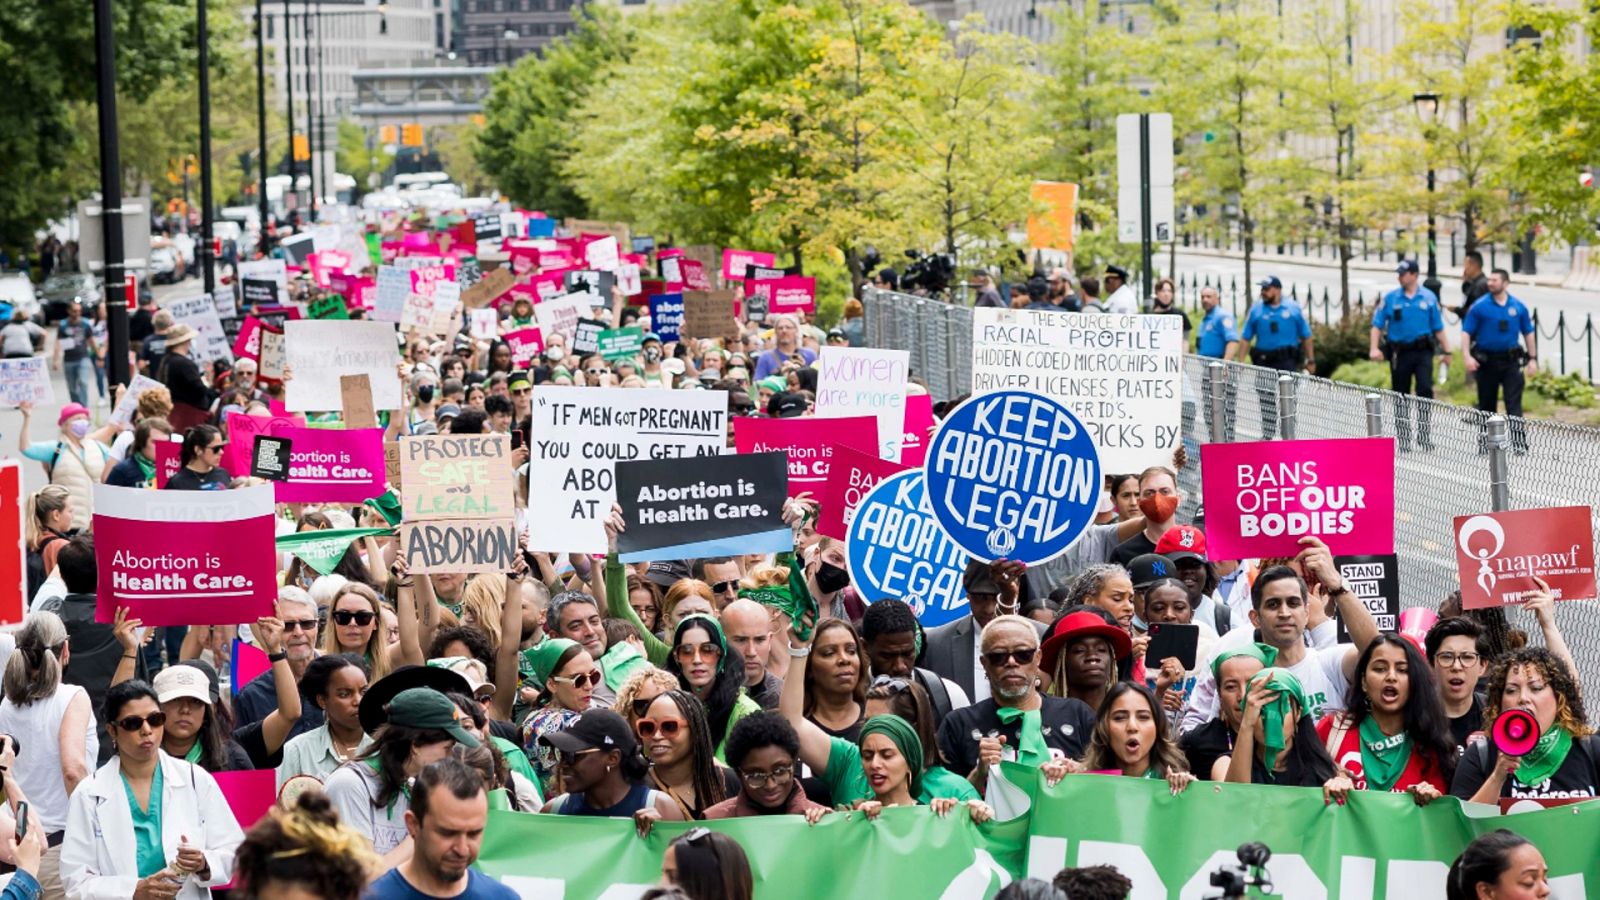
x=1515, y=732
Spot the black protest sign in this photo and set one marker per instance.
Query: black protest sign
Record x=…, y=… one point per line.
x=591, y=281
x=298, y=249
x=1375, y=581
x=487, y=228
x=703, y=506
x=754, y=272
x=586, y=339
x=270, y=459
x=260, y=292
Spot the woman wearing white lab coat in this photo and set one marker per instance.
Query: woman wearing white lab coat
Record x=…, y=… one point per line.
x=146, y=826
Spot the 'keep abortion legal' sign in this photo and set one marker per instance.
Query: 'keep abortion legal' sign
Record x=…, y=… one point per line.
x=1013, y=475
x=897, y=549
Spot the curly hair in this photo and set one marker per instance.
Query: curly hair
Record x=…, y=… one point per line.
x=1093, y=883
x=757, y=730
x=660, y=678
x=305, y=845
x=477, y=644
x=1091, y=581
x=707, y=782
x=1570, y=713
x=1165, y=757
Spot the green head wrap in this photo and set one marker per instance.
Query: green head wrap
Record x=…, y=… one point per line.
x=386, y=504
x=542, y=657
x=773, y=383
x=711, y=625
x=905, y=740
x=1267, y=653
x=1272, y=715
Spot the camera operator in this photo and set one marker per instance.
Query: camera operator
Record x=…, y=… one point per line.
x=983, y=289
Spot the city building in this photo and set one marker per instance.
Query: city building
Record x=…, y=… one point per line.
x=498, y=32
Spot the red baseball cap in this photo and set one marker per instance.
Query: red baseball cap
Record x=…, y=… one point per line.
x=1183, y=542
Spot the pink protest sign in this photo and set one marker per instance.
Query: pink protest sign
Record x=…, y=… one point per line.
x=548, y=285
x=852, y=476
x=169, y=455
x=185, y=557
x=248, y=346
x=810, y=443
x=526, y=345
x=425, y=278
x=523, y=259
x=242, y=432
x=331, y=466
x=250, y=793
x=919, y=418
x=735, y=262
x=694, y=274
x=789, y=294
x=1262, y=497
x=247, y=662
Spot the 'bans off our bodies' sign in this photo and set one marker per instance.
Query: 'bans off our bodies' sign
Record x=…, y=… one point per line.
x=1263, y=497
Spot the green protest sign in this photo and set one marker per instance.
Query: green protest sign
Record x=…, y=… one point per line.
x=621, y=343
x=328, y=306
x=321, y=550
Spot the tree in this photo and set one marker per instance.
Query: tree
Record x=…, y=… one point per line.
x=361, y=156
x=527, y=138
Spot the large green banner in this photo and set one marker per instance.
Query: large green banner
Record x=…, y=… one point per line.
x=1375, y=846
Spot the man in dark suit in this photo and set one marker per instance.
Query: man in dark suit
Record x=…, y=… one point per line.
x=953, y=647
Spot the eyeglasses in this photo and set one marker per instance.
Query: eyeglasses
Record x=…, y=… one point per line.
x=579, y=681
x=136, y=723
x=301, y=624
x=1451, y=660
x=744, y=409
x=525, y=392
x=598, y=371
x=758, y=780
x=345, y=617
x=900, y=685
x=690, y=651
x=1023, y=656
x=569, y=758
x=723, y=586
x=669, y=728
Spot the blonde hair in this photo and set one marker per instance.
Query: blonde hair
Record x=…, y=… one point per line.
x=33, y=672
x=376, y=651
x=765, y=576
x=681, y=590
x=484, y=597
x=626, y=694
x=52, y=498
x=154, y=403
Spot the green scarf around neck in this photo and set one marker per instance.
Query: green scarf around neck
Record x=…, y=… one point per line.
x=1383, y=757
x=1545, y=757
x=1031, y=748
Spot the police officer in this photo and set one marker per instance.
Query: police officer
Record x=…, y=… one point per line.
x=1282, y=339
x=1219, y=339
x=1494, y=333
x=1407, y=330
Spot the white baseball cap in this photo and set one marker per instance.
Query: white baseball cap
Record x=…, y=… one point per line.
x=182, y=681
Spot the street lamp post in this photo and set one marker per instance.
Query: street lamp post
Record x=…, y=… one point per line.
x=261, y=124
x=208, y=277
x=1427, y=106
x=111, y=270
x=312, y=138
x=288, y=86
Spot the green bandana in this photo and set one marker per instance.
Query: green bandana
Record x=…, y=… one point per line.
x=322, y=550
x=542, y=658
x=147, y=469
x=1272, y=715
x=1383, y=757
x=193, y=756
x=905, y=740
x=1266, y=653
x=792, y=599
x=619, y=661
x=386, y=504
x=710, y=625
x=1031, y=748
x=1545, y=757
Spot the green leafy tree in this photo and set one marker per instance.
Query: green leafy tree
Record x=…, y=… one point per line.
x=1554, y=131
x=361, y=156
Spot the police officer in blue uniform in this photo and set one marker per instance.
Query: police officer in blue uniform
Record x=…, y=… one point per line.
x=1219, y=339
x=1495, y=332
x=1282, y=339
x=1407, y=330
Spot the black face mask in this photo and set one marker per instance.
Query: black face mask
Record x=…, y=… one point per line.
x=425, y=393
x=831, y=578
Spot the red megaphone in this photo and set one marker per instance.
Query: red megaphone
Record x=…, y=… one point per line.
x=1515, y=732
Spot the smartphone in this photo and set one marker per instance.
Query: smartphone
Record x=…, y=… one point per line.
x=516, y=438
x=22, y=820
x=1172, y=639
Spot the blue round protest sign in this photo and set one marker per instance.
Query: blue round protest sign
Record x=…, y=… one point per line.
x=1013, y=475
x=898, y=550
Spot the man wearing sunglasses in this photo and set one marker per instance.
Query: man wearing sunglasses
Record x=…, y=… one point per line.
x=722, y=573
x=1017, y=722
x=259, y=697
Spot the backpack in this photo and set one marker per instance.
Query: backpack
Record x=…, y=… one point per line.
x=36, y=572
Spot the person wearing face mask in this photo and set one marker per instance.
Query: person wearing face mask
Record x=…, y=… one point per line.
x=1209, y=747
x=1159, y=499
x=651, y=353
x=827, y=578
x=424, y=388
x=73, y=460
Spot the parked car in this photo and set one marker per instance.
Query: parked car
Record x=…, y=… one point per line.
x=60, y=289
x=16, y=293
x=167, y=265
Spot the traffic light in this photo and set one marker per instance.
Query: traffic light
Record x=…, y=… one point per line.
x=411, y=135
x=388, y=134
x=302, y=148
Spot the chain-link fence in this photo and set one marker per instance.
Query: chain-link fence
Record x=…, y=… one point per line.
x=1447, y=471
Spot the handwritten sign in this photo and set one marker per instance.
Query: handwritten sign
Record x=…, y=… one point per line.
x=457, y=476
x=708, y=314
x=561, y=314
x=861, y=381
x=526, y=345
x=321, y=351
x=25, y=380
x=459, y=545
x=486, y=291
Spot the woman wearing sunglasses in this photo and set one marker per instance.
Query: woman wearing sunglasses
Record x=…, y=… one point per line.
x=639, y=689
x=200, y=730
x=705, y=669
x=146, y=825
x=354, y=626
x=566, y=676
x=200, y=462
x=603, y=774
x=677, y=741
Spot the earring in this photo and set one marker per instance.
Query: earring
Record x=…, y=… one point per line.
x=608, y=770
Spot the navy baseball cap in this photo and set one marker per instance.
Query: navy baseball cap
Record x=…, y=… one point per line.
x=1271, y=281
x=1406, y=265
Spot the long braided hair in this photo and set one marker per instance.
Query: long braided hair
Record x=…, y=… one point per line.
x=706, y=781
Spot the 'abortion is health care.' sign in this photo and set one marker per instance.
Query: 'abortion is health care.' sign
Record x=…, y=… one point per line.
x=1263, y=497
x=1013, y=475
x=897, y=549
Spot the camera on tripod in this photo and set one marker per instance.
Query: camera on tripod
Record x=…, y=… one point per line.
x=1250, y=872
x=929, y=273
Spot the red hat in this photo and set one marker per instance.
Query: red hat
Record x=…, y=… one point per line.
x=1081, y=625
x=1183, y=542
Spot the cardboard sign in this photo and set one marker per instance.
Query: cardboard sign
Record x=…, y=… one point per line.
x=321, y=351
x=13, y=554
x=919, y=421
x=1375, y=581
x=586, y=337
x=492, y=286
x=199, y=313
x=852, y=475
x=460, y=545
x=1013, y=475
x=729, y=505
x=483, y=324
x=666, y=316
x=457, y=476
x=243, y=430
x=621, y=343
x=897, y=549
x=355, y=394
x=735, y=262
x=561, y=315
x=124, y=411
x=391, y=464
x=1263, y=496
x=25, y=380
x=809, y=444
x=446, y=308
x=270, y=460
x=708, y=314
x=185, y=557
x=1122, y=376
x=417, y=314
x=1499, y=554
x=394, y=285
x=579, y=433
x=269, y=367
x=618, y=230
x=330, y=306
x=330, y=466
x=857, y=381
x=526, y=345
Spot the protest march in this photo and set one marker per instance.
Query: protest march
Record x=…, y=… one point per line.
x=441, y=556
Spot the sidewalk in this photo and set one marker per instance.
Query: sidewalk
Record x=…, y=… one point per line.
x=1356, y=265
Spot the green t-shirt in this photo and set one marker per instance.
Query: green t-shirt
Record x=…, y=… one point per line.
x=149, y=854
x=518, y=762
x=848, y=783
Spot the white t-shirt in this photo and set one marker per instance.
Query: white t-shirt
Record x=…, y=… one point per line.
x=1122, y=301
x=353, y=790
x=980, y=678
x=1321, y=675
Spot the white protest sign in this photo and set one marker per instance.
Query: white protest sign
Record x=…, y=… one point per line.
x=602, y=254
x=394, y=284
x=122, y=414
x=446, y=303
x=580, y=433
x=858, y=381
x=227, y=307
x=485, y=323
x=325, y=237
x=628, y=279
x=417, y=313
x=320, y=350
x=560, y=315
x=273, y=270
x=271, y=354
x=1121, y=375
x=25, y=380
x=200, y=314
